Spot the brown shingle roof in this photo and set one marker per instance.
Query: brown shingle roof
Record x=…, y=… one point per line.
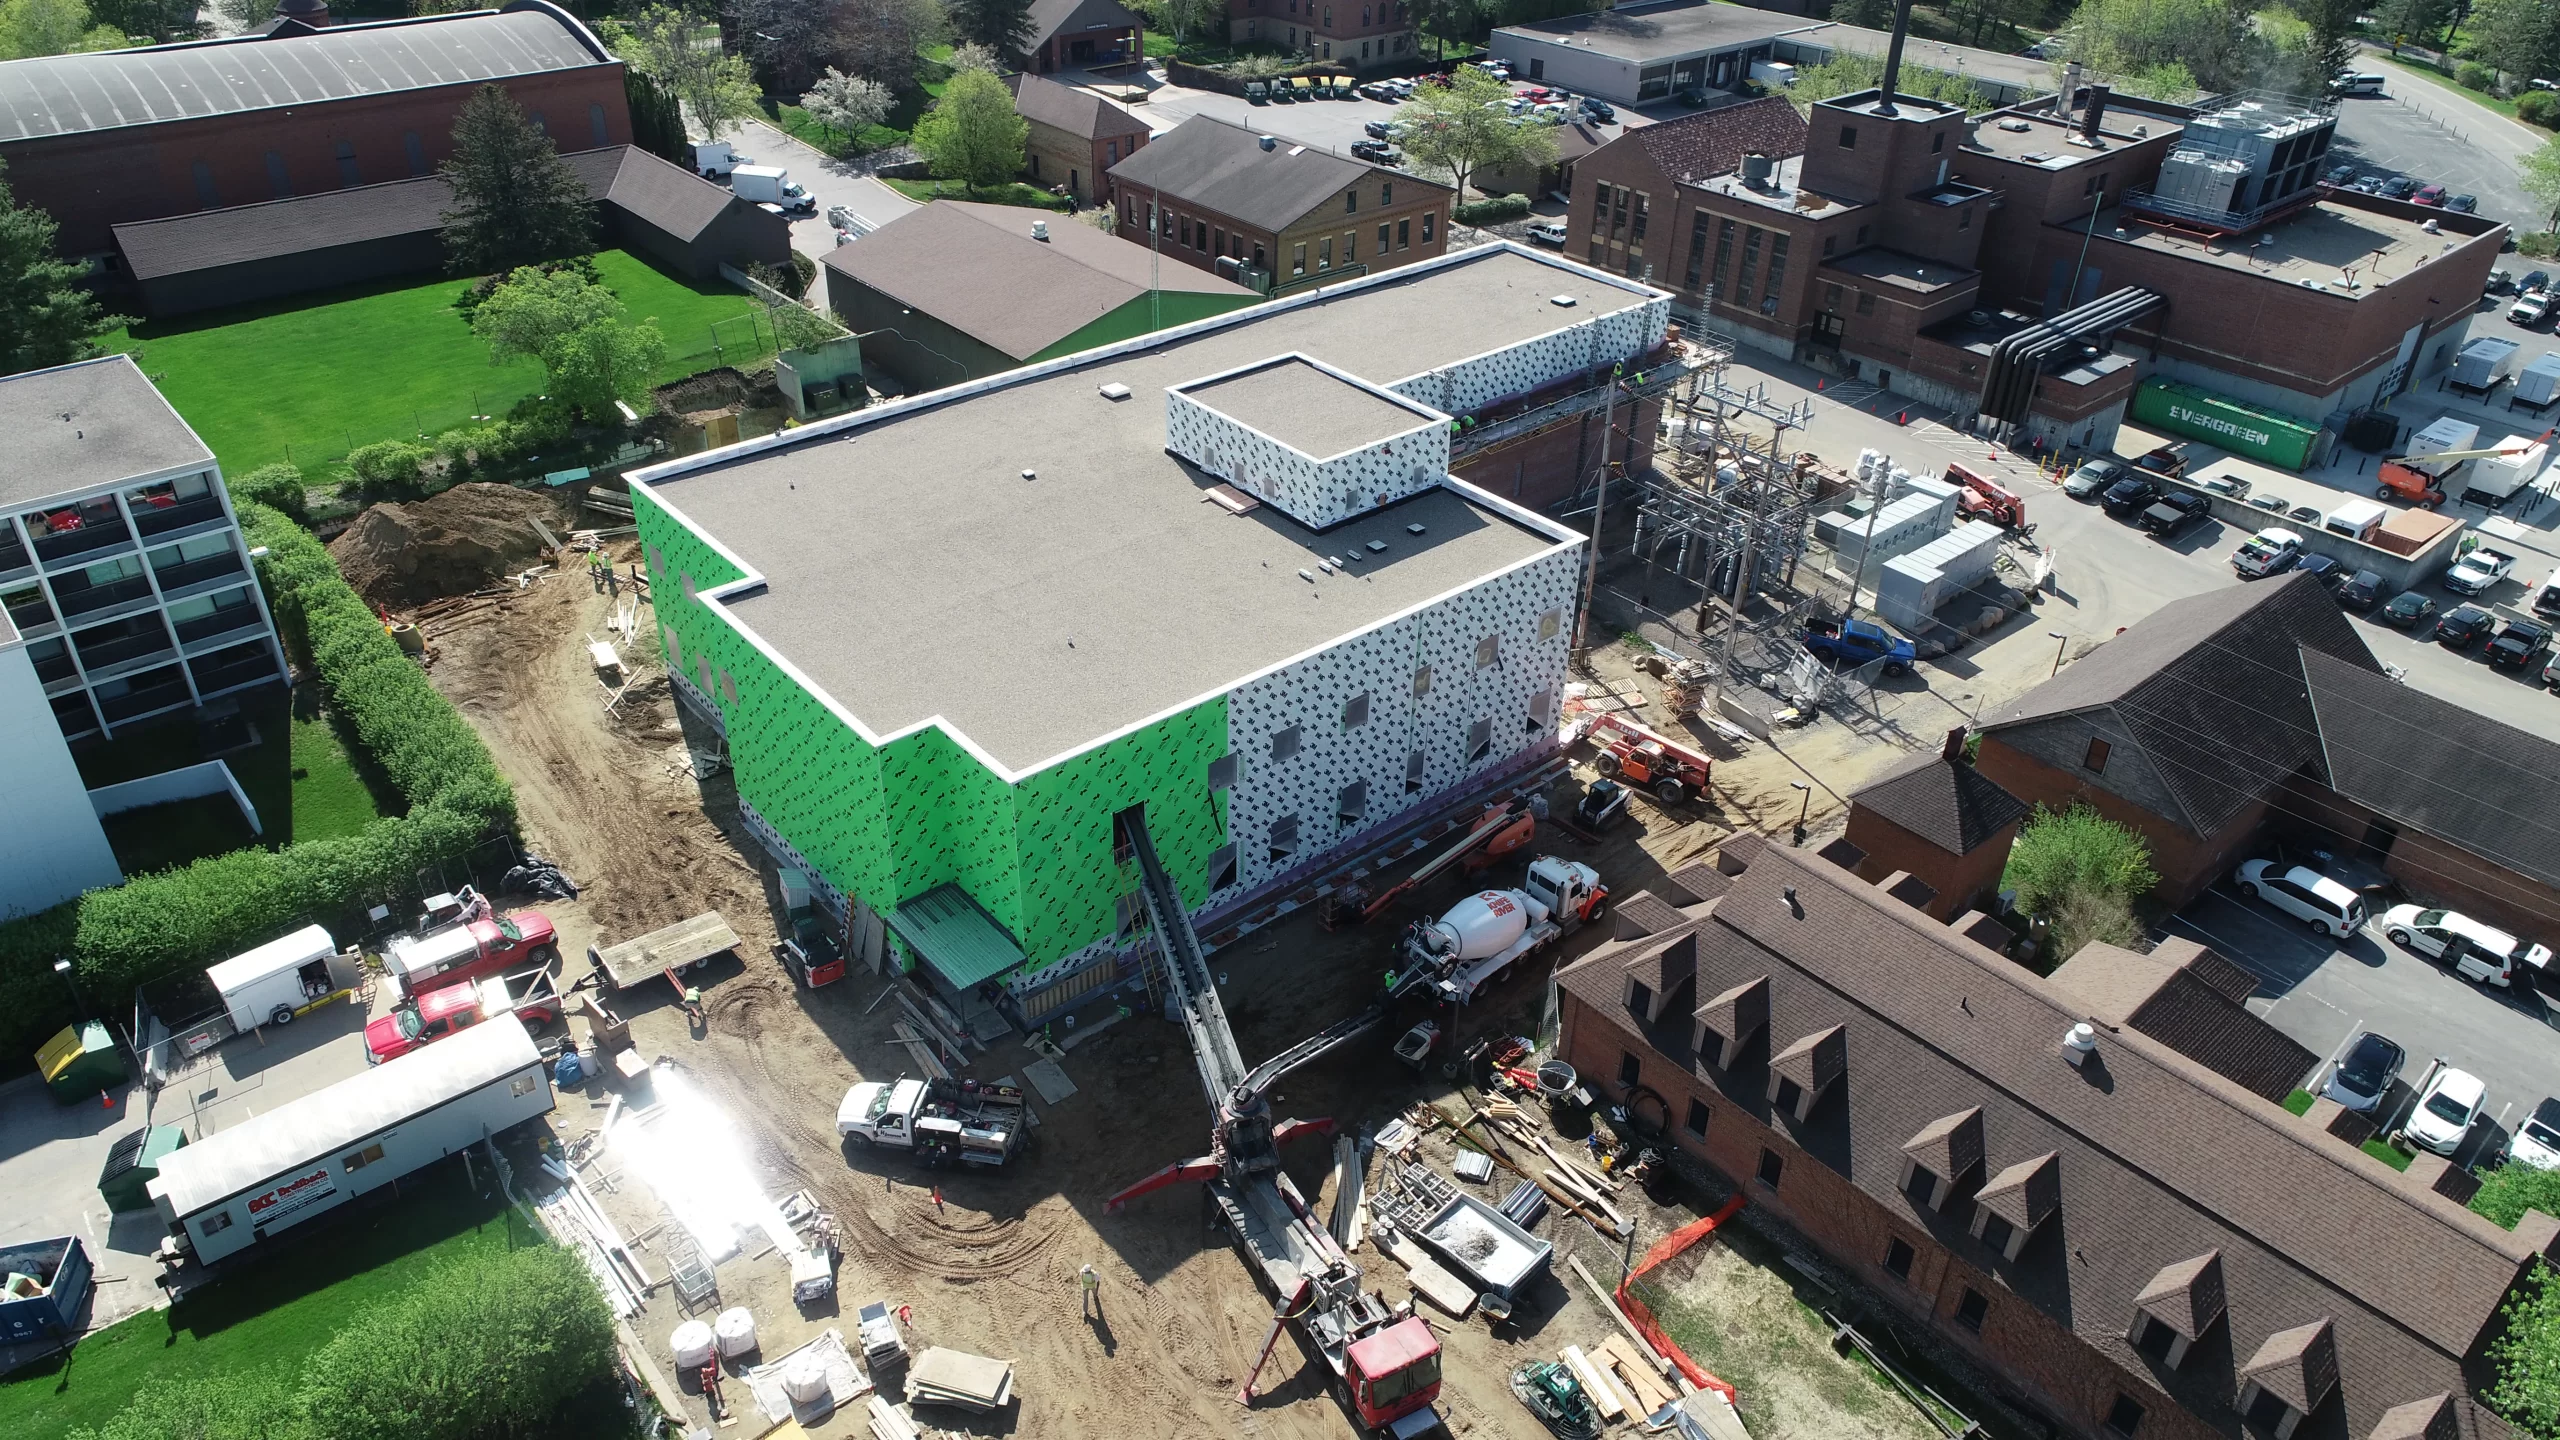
x=1645, y=913
x=1665, y=968
x=1078, y=112
x=2186, y=1296
x=1700, y=147
x=2430, y=1419
x=2026, y=1193
x=2181, y=995
x=1736, y=1014
x=2158, y=1159
x=1816, y=1060
x=1947, y=803
x=2298, y=1366
x=1221, y=167
x=1949, y=1146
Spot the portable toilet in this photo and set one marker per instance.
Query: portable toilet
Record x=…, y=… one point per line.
x=133, y=1162
x=80, y=1062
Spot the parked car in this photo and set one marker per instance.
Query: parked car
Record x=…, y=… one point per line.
x=2305, y=894
x=2310, y=515
x=2367, y=184
x=2231, y=485
x=2531, y=308
x=2463, y=204
x=1381, y=129
x=1548, y=232
x=2272, y=504
x=2537, y=1140
x=2364, y=1074
x=2361, y=593
x=2463, y=626
x=2429, y=195
x=2407, y=609
x=1600, y=110
x=2091, y=478
x=2535, y=280
x=2521, y=645
x=1376, y=152
x=2269, y=552
x=2499, y=283
x=2130, y=496
x=2173, y=514
x=2339, y=175
x=2328, y=572
x=2446, y=1110
x=2470, y=948
x=2399, y=187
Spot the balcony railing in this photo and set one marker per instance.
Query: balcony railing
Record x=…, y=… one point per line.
x=90, y=599
x=83, y=541
x=97, y=655
x=161, y=519
x=185, y=573
x=13, y=556
x=213, y=678
x=31, y=613
x=54, y=669
x=142, y=700
x=221, y=622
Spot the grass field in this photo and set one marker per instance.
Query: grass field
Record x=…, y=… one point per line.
x=270, y=1317
x=1012, y=193
x=309, y=378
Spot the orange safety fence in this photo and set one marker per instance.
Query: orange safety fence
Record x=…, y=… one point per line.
x=1676, y=1243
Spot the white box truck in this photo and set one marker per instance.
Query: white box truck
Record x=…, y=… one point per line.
x=2483, y=363
x=772, y=185
x=2355, y=519
x=715, y=158
x=277, y=981
x=240, y=1185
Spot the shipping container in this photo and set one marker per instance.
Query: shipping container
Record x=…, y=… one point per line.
x=240, y=1185
x=2220, y=420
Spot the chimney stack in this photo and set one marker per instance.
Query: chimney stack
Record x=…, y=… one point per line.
x=1953, y=750
x=2070, y=88
x=2095, y=112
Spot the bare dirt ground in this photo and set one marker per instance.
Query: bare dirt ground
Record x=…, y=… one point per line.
x=989, y=1267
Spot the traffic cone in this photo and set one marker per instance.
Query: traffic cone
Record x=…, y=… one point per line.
x=1820, y=384
x=106, y=1101
x=1902, y=417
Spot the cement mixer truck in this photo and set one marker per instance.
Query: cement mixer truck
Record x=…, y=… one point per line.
x=1467, y=949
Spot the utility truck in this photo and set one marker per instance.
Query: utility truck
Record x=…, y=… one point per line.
x=945, y=1122
x=472, y=943
x=1469, y=948
x=772, y=185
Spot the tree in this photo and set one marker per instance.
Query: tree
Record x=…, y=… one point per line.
x=785, y=39
x=1847, y=71
x=2215, y=40
x=151, y=20
x=2328, y=46
x=574, y=326
x=1183, y=19
x=2527, y=1354
x=970, y=55
x=1003, y=26
x=515, y=201
x=660, y=43
x=2080, y=872
x=47, y=316
x=1443, y=19
x=657, y=122
x=278, y=487
x=2519, y=37
x=1979, y=17
x=972, y=133
x=1873, y=14
x=30, y=28
x=2539, y=174
x=2402, y=21
x=878, y=39
x=797, y=327
x=847, y=103
x=1447, y=127
x=2512, y=1189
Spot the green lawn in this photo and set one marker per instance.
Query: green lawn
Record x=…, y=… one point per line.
x=2299, y=1102
x=1013, y=193
x=308, y=378
x=270, y=1316
x=2438, y=78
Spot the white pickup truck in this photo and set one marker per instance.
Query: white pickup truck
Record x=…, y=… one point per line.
x=2479, y=572
x=945, y=1122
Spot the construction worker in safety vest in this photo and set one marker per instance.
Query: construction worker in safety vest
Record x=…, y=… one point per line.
x=1091, y=1284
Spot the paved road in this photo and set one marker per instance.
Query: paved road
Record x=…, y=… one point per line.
x=2323, y=995
x=832, y=181
x=2436, y=137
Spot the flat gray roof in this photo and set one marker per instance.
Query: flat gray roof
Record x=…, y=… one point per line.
x=1313, y=410
x=1659, y=32
x=91, y=423
x=2016, y=71
x=903, y=555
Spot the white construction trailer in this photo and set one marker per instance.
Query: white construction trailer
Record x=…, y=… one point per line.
x=225, y=1192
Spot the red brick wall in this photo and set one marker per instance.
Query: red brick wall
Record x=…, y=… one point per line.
x=1960, y=880
x=1540, y=469
x=2053, y=1368
x=1414, y=201
x=2186, y=864
x=93, y=181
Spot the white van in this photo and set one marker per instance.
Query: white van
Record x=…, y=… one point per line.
x=2357, y=84
x=2474, y=950
x=2305, y=894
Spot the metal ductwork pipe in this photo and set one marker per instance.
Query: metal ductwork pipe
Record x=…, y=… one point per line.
x=2097, y=110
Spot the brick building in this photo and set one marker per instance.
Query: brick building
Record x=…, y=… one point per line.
x=1911, y=246
x=1937, y=818
x=119, y=135
x=1354, y=33
x=2116, y=1220
x=1083, y=34
x=1276, y=214
x=1075, y=136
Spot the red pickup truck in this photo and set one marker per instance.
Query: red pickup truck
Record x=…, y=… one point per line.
x=469, y=949
x=413, y=1024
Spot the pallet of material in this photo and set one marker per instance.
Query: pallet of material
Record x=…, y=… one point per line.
x=888, y=1423
x=1617, y=1359
x=1429, y=1281
x=955, y=1377
x=1603, y=1391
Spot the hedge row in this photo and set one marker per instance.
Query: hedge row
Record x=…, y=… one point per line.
x=1493, y=211
x=185, y=918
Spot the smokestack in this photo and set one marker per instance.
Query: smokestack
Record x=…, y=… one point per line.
x=2070, y=87
x=2097, y=110
x=1893, y=57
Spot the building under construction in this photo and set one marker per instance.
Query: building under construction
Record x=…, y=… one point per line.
x=1221, y=576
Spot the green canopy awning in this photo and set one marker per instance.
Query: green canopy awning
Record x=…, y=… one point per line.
x=962, y=942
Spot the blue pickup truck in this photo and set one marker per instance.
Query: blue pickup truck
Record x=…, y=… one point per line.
x=1855, y=642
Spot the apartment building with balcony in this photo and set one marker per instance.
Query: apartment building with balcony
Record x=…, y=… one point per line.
x=122, y=567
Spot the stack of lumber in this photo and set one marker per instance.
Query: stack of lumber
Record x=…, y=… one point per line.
x=889, y=1423
x=955, y=1377
x=1569, y=1183
x=1632, y=1375
x=1596, y=1384
x=1350, y=1180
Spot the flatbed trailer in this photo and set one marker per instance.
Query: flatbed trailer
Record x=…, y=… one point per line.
x=669, y=951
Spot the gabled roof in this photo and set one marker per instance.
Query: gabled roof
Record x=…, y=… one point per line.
x=2186, y=1296
x=1697, y=148
x=1816, y=1060
x=2026, y=1193
x=2438, y=767
x=1052, y=18
x=2433, y=1418
x=977, y=269
x=1945, y=802
x=1664, y=968
x=1948, y=1146
x=2211, y=689
x=1737, y=1012
x=148, y=85
x=2298, y=1366
x=671, y=198
x=1222, y=167
x=1044, y=101
x=2193, y=1001
x=1645, y=913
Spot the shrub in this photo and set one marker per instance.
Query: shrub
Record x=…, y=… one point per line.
x=2527, y=1355
x=2080, y=872
x=2538, y=245
x=2472, y=75
x=2539, y=107
x=278, y=487
x=1493, y=211
x=391, y=467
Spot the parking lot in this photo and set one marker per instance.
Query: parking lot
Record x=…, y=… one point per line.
x=1324, y=124
x=2324, y=994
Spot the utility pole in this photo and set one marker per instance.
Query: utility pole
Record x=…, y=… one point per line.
x=1875, y=505
x=1599, y=516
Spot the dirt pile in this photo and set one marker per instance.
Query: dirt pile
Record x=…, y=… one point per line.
x=449, y=544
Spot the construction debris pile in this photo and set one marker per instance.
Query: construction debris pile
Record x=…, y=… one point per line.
x=402, y=554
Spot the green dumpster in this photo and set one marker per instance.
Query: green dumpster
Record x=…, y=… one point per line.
x=80, y=1062
x=133, y=1163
